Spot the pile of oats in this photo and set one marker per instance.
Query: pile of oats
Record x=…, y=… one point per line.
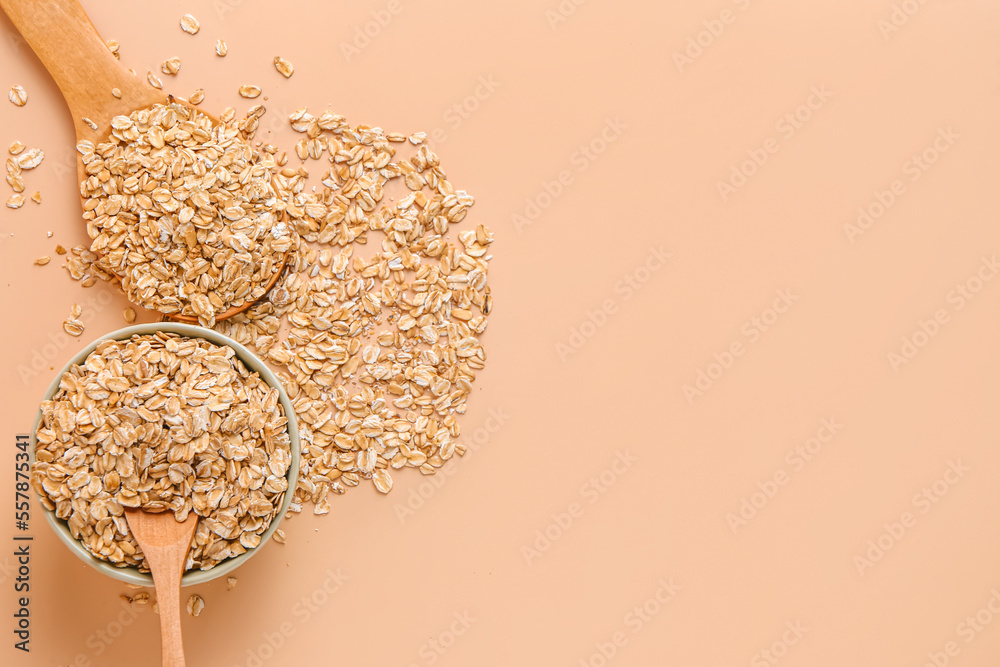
x=163, y=422
x=183, y=211
x=382, y=347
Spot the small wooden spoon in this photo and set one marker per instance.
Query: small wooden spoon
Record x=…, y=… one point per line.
x=165, y=543
x=79, y=61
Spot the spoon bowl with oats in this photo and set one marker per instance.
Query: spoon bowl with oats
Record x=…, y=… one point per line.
x=180, y=208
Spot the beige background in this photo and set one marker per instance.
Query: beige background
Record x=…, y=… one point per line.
x=562, y=416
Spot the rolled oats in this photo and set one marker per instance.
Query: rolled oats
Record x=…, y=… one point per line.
x=195, y=605
x=190, y=25
x=249, y=91
x=188, y=218
x=171, y=65
x=284, y=67
x=18, y=96
x=403, y=323
x=30, y=158
x=221, y=49
x=165, y=423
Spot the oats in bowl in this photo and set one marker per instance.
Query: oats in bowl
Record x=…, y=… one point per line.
x=165, y=422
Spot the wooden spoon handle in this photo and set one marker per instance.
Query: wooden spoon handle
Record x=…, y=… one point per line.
x=64, y=39
x=165, y=544
x=168, y=597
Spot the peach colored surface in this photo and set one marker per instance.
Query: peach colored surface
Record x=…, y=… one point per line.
x=741, y=399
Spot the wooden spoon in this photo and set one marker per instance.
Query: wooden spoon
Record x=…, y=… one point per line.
x=79, y=61
x=165, y=543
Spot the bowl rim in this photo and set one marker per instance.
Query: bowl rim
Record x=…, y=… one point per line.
x=130, y=574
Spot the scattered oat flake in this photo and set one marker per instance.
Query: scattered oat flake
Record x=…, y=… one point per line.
x=418, y=138
x=171, y=65
x=284, y=67
x=230, y=583
x=154, y=80
x=18, y=96
x=89, y=122
x=129, y=315
x=60, y=250
x=141, y=598
x=30, y=158
x=42, y=261
x=279, y=536
x=190, y=25
x=37, y=197
x=221, y=49
x=197, y=96
x=116, y=92
x=15, y=201
x=195, y=604
x=73, y=326
x=16, y=148
x=113, y=46
x=249, y=91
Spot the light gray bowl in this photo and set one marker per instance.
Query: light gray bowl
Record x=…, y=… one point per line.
x=132, y=575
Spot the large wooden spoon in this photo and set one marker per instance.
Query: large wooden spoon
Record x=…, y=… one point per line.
x=165, y=543
x=79, y=61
